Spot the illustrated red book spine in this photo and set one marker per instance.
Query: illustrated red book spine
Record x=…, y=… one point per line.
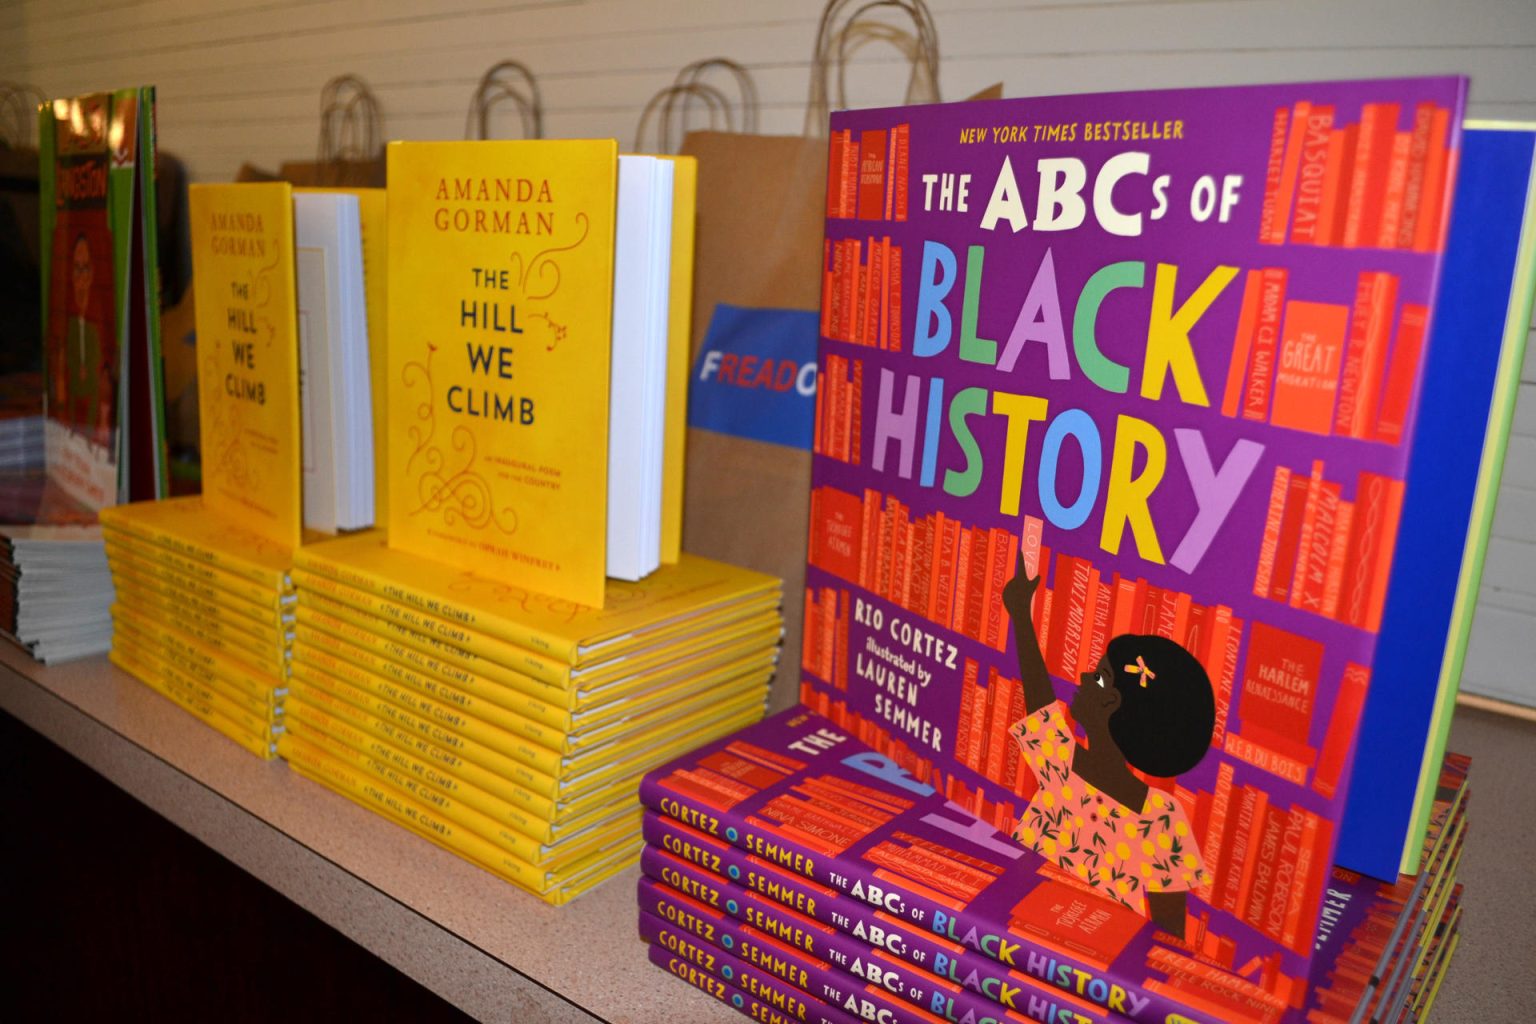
x=835, y=147
x=992, y=587
x=831, y=380
x=1078, y=662
x=836, y=291
x=1266, y=857
x=890, y=178
x=1338, y=555
x=962, y=581
x=1370, y=494
x=859, y=335
x=1386, y=544
x=1250, y=852
x=1347, y=707
x=1304, y=538
x=808, y=659
x=883, y=568
x=842, y=429
x=869, y=537
x=1268, y=212
x=1401, y=371
x=829, y=649
x=900, y=168
x=1290, y=536
x=1413, y=184
x=1196, y=633
x=1261, y=372
x=1074, y=618
x=1429, y=235
x=1373, y=152
x=893, y=314
x=1324, y=532
x=856, y=412
x=920, y=586
x=1242, y=343
x=1005, y=550
x=876, y=290
x=853, y=263
x=1212, y=846
x=966, y=724
x=1242, y=814
x=1394, y=192
x=1300, y=831
x=871, y=204
x=944, y=573
x=1124, y=606
x=1226, y=631
x=1051, y=631
x=849, y=200
x=998, y=740
x=1103, y=599
x=1311, y=875
x=1272, y=921
x=985, y=723
x=882, y=339
x=1310, y=173
x=1150, y=604
x=1336, y=179
x=826, y=288
x=976, y=583
x=901, y=535
x=1290, y=165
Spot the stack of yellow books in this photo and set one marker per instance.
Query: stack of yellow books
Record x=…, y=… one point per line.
x=510, y=727
x=204, y=614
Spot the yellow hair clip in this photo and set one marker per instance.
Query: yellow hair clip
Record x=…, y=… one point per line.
x=1140, y=669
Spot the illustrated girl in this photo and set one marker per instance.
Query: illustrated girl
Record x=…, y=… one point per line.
x=1146, y=705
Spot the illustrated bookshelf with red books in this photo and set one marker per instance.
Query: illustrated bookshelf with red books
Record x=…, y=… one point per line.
x=1377, y=181
x=861, y=292
x=867, y=173
x=839, y=425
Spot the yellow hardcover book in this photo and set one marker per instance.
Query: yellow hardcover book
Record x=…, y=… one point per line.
x=455, y=808
x=373, y=215
x=445, y=715
x=259, y=744
x=156, y=672
x=207, y=686
x=184, y=526
x=267, y=655
x=307, y=678
x=501, y=262
x=131, y=587
x=679, y=680
x=713, y=689
x=685, y=177
x=634, y=613
x=199, y=660
x=248, y=356
x=361, y=787
x=272, y=612
x=120, y=547
x=631, y=754
x=386, y=639
x=339, y=717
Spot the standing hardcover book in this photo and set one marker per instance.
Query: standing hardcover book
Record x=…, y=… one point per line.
x=1104, y=498
x=105, y=423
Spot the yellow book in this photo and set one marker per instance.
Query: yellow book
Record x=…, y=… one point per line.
x=195, y=573
x=373, y=214
x=685, y=177
x=339, y=717
x=634, y=614
x=271, y=613
x=248, y=356
x=155, y=671
x=207, y=686
x=456, y=809
x=258, y=743
x=500, y=311
x=201, y=661
x=679, y=680
x=267, y=655
x=133, y=589
x=552, y=886
x=184, y=526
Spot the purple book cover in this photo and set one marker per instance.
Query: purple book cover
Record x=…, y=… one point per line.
x=755, y=993
x=1116, y=402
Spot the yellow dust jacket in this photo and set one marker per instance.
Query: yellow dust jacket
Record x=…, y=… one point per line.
x=258, y=742
x=148, y=612
x=261, y=606
x=685, y=181
x=201, y=661
x=208, y=688
x=197, y=574
x=500, y=321
x=633, y=615
x=248, y=356
x=185, y=526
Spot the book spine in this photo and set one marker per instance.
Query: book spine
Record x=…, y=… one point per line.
x=1336, y=178
x=1261, y=371
x=830, y=965
x=1439, y=172
x=263, y=707
x=314, y=764
x=264, y=608
x=1310, y=174
x=260, y=623
x=198, y=572
x=201, y=661
x=526, y=811
x=551, y=654
x=1309, y=511
x=314, y=600
x=154, y=671
x=1413, y=181
x=136, y=532
x=922, y=910
x=893, y=314
x=1242, y=343
x=836, y=144
x=900, y=170
x=1269, y=211
x=731, y=980
x=1290, y=166
x=258, y=743
x=308, y=679
x=1394, y=190
x=1401, y=373
x=1347, y=707
x=1290, y=535
x=266, y=649
x=1338, y=553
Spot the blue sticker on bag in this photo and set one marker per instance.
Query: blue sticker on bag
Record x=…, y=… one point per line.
x=756, y=375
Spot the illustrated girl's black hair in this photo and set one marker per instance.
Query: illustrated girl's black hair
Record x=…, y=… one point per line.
x=1167, y=710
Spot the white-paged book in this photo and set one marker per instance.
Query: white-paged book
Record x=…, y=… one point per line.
x=336, y=396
